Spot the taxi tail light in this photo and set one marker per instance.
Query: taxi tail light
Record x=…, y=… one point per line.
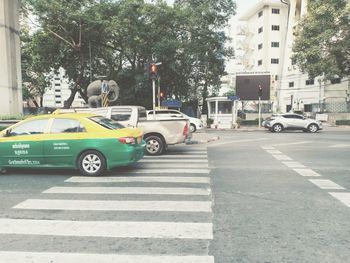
x=185, y=131
x=127, y=140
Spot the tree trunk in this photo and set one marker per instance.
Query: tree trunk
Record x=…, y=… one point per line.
x=67, y=103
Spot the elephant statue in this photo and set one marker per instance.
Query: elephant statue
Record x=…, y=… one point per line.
x=94, y=91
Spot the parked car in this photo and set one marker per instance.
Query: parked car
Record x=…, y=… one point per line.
x=87, y=142
x=291, y=121
x=158, y=134
x=195, y=123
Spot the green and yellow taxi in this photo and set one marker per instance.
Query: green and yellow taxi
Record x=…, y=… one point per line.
x=84, y=141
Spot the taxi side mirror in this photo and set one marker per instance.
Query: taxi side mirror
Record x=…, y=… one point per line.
x=8, y=133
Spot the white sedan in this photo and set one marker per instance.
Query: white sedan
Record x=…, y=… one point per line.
x=195, y=123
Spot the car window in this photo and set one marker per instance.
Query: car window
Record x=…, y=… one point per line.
x=30, y=127
x=142, y=113
x=107, y=123
x=288, y=116
x=66, y=126
x=122, y=114
x=298, y=117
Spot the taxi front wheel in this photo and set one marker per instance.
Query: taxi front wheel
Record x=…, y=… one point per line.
x=92, y=163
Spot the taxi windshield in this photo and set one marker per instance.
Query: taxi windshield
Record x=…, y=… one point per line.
x=107, y=123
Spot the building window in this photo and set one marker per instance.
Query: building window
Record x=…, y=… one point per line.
x=57, y=90
x=58, y=102
x=260, y=46
x=335, y=81
x=260, y=13
x=275, y=44
x=275, y=11
x=310, y=82
x=275, y=61
x=276, y=77
x=58, y=96
x=291, y=84
x=259, y=62
x=275, y=28
x=260, y=30
x=57, y=84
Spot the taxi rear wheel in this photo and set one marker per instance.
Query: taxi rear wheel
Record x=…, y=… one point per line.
x=92, y=163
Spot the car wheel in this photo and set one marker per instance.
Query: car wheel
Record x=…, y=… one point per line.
x=193, y=128
x=92, y=163
x=154, y=145
x=312, y=128
x=277, y=128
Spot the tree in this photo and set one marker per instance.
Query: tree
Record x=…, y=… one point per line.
x=117, y=39
x=322, y=45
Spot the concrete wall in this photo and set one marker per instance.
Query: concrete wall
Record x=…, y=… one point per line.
x=10, y=58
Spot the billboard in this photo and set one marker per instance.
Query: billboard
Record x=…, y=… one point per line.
x=247, y=85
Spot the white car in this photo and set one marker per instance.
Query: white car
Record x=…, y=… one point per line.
x=195, y=123
x=291, y=121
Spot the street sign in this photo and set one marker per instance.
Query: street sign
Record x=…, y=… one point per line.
x=235, y=97
x=171, y=103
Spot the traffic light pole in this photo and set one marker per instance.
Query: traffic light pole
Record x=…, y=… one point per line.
x=154, y=97
x=259, y=112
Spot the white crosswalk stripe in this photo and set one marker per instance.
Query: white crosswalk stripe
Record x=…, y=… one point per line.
x=128, y=190
x=306, y=172
x=326, y=184
x=106, y=229
x=149, y=179
x=102, y=205
x=26, y=257
x=160, y=179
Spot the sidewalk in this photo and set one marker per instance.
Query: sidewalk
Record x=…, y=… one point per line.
x=208, y=135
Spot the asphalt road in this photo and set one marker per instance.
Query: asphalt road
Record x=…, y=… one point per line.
x=268, y=209
x=247, y=197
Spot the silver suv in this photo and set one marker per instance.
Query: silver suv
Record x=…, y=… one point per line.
x=291, y=121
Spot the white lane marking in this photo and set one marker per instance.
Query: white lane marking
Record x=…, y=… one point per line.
x=129, y=179
x=176, y=156
x=325, y=184
x=188, y=152
x=292, y=143
x=339, y=146
x=128, y=190
x=236, y=141
x=282, y=157
x=45, y=257
x=306, y=172
x=106, y=205
x=293, y=165
x=342, y=197
x=267, y=147
x=274, y=151
x=173, y=161
x=168, y=171
x=173, y=165
x=115, y=229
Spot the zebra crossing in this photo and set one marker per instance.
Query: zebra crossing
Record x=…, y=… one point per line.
x=159, y=210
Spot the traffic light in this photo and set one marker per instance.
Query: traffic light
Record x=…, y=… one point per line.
x=153, y=70
x=260, y=91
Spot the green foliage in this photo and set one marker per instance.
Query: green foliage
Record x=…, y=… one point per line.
x=2, y=128
x=122, y=36
x=12, y=117
x=323, y=41
x=342, y=122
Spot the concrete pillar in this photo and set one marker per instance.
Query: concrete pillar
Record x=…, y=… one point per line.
x=10, y=59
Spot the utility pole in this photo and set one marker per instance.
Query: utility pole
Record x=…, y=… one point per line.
x=260, y=95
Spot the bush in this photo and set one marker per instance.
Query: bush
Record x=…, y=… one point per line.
x=342, y=122
x=2, y=128
x=250, y=122
x=210, y=122
x=12, y=117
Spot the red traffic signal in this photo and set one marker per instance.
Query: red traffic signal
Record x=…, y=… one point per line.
x=152, y=71
x=260, y=91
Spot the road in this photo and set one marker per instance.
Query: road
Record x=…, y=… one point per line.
x=248, y=197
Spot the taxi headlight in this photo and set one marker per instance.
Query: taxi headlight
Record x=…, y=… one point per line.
x=127, y=140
